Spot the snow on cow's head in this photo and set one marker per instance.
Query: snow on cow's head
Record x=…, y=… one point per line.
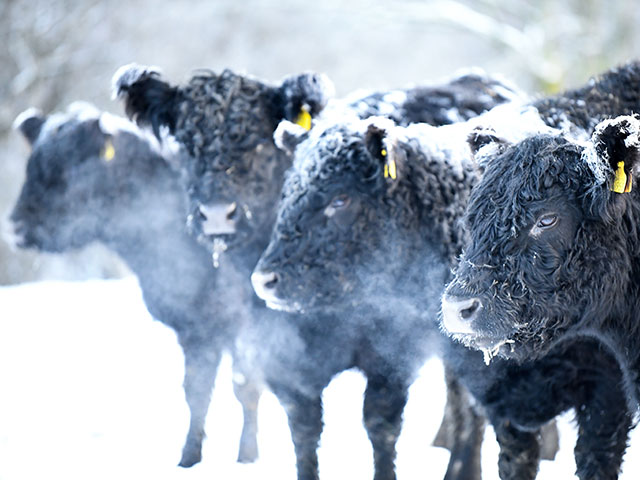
x=226, y=123
x=86, y=169
x=549, y=241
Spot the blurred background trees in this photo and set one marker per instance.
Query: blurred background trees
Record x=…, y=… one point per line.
x=57, y=51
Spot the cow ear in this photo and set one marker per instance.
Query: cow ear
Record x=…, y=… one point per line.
x=29, y=123
x=148, y=100
x=288, y=135
x=303, y=97
x=485, y=143
x=379, y=145
x=617, y=145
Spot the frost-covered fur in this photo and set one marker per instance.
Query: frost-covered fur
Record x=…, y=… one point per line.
x=459, y=98
x=93, y=177
x=552, y=254
x=551, y=249
x=570, y=263
x=350, y=238
x=226, y=123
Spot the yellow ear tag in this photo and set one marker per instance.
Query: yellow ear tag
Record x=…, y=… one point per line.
x=622, y=182
x=389, y=166
x=108, y=152
x=304, y=118
x=392, y=169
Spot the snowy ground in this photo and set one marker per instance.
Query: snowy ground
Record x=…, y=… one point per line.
x=90, y=388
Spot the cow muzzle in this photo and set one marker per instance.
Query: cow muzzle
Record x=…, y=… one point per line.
x=219, y=219
x=459, y=314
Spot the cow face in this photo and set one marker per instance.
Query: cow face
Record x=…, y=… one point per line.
x=548, y=249
x=342, y=231
x=226, y=123
x=79, y=177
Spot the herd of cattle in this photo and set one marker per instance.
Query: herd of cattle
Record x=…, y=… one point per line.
x=307, y=235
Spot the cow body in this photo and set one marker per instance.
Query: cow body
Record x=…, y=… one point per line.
x=93, y=177
x=351, y=235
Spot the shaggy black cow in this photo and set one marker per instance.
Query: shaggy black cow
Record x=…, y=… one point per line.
x=225, y=123
x=351, y=237
x=569, y=262
x=552, y=249
x=95, y=177
x=234, y=188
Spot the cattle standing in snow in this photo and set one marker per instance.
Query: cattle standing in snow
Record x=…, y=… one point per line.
x=352, y=237
x=234, y=185
x=547, y=252
x=558, y=257
x=93, y=177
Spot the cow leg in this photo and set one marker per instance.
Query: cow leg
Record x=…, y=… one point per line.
x=384, y=402
x=201, y=364
x=519, y=457
x=247, y=390
x=603, y=430
x=549, y=440
x=304, y=414
x=464, y=429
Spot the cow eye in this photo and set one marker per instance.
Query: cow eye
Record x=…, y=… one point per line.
x=340, y=201
x=547, y=221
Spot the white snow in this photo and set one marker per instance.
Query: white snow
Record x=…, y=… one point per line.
x=91, y=388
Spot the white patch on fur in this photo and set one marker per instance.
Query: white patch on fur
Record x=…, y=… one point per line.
x=10, y=234
x=598, y=166
x=285, y=127
x=26, y=115
x=453, y=115
x=83, y=110
x=127, y=75
x=330, y=211
x=397, y=97
x=113, y=125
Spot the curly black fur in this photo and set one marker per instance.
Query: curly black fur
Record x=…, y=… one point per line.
x=553, y=253
x=77, y=191
x=610, y=94
x=350, y=239
x=574, y=277
x=549, y=242
x=461, y=98
x=226, y=123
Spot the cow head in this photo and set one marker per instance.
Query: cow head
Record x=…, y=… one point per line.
x=348, y=221
x=551, y=241
x=226, y=123
x=85, y=171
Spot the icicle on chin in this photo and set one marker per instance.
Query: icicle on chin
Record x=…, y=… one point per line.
x=219, y=247
x=490, y=353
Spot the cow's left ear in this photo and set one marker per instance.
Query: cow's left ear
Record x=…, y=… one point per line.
x=30, y=123
x=485, y=143
x=303, y=97
x=381, y=146
x=617, y=144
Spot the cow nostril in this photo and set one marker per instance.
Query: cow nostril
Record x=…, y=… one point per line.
x=232, y=209
x=469, y=312
x=270, y=280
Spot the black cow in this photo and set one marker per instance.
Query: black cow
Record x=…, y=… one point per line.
x=551, y=254
x=351, y=237
x=568, y=267
x=234, y=183
x=548, y=252
x=94, y=177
